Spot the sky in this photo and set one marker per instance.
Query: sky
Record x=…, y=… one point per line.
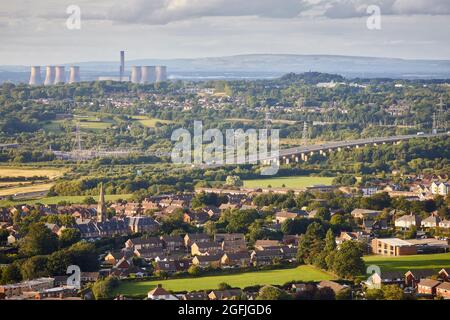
x=36, y=33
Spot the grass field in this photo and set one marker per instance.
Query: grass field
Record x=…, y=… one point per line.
x=405, y=263
x=242, y=280
x=149, y=122
x=289, y=182
x=51, y=173
x=71, y=199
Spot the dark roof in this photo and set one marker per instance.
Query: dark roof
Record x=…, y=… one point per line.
x=429, y=283
x=195, y=296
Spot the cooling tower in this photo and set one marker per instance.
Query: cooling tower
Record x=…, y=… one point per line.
x=136, y=74
x=161, y=73
x=35, y=76
x=60, y=75
x=148, y=74
x=49, y=76
x=74, y=74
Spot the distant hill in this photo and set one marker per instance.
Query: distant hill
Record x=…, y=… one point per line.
x=269, y=66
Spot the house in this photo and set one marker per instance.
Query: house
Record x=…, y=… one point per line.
x=221, y=237
x=226, y=206
x=445, y=224
x=172, y=243
x=336, y=287
x=408, y=221
x=234, y=245
x=444, y=275
x=365, y=214
x=266, y=257
x=388, y=277
x=392, y=247
x=196, y=218
x=205, y=248
x=412, y=278
x=283, y=216
x=141, y=224
x=123, y=264
x=231, y=294
x=207, y=261
x=290, y=240
x=427, y=287
x=195, y=296
x=160, y=294
x=166, y=266
x=150, y=253
x=431, y=222
x=113, y=257
x=236, y=259
x=440, y=188
x=261, y=244
x=17, y=289
x=144, y=243
x=443, y=290
x=374, y=225
x=53, y=227
x=191, y=238
x=346, y=236
x=289, y=253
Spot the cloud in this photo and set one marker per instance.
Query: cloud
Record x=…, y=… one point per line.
x=166, y=11
x=343, y=9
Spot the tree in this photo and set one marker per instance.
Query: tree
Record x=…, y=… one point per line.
x=234, y=181
x=69, y=237
x=84, y=255
x=3, y=236
x=323, y=213
x=103, y=289
x=58, y=262
x=344, y=294
x=392, y=292
x=310, y=244
x=272, y=293
x=39, y=240
x=224, y=286
x=325, y=293
x=10, y=274
x=194, y=270
x=348, y=262
x=374, y=294
x=89, y=201
x=34, y=267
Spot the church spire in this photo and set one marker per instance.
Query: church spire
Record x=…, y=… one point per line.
x=101, y=208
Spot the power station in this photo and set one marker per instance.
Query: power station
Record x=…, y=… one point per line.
x=139, y=74
x=53, y=75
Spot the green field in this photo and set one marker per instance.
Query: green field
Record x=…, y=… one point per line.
x=71, y=199
x=242, y=280
x=149, y=122
x=289, y=182
x=405, y=263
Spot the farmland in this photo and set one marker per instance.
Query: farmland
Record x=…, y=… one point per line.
x=288, y=182
x=12, y=172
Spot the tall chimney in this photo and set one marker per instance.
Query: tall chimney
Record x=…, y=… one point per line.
x=148, y=74
x=136, y=74
x=74, y=74
x=60, y=74
x=161, y=73
x=122, y=65
x=35, y=76
x=49, y=75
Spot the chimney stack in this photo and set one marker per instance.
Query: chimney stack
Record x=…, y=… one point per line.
x=74, y=74
x=49, y=76
x=35, y=76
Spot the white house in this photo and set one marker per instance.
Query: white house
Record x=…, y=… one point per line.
x=160, y=294
x=431, y=222
x=407, y=221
